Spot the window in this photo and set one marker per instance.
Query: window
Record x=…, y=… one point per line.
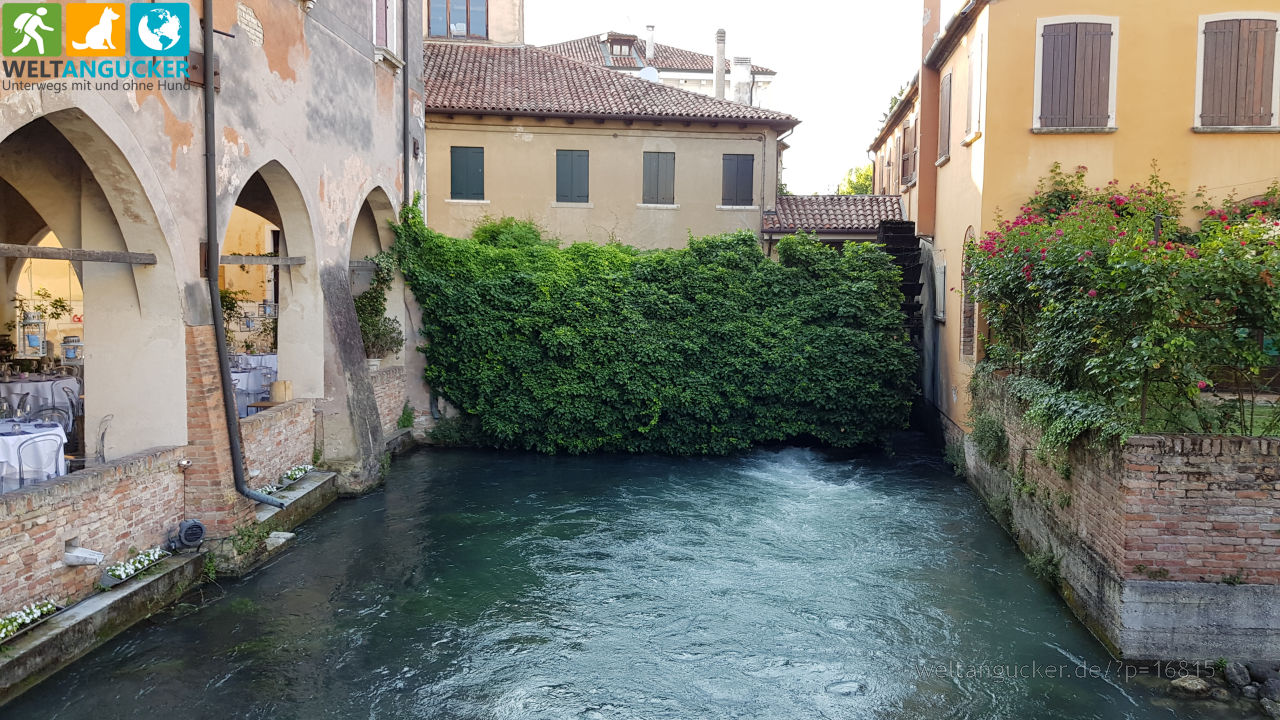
x=384, y=24
x=739, y=181
x=1237, y=85
x=621, y=49
x=467, y=176
x=940, y=291
x=1075, y=84
x=458, y=18
x=944, y=119
x=573, y=175
x=909, y=153
x=973, y=111
x=659, y=178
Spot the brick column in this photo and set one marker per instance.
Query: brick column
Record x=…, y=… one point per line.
x=211, y=495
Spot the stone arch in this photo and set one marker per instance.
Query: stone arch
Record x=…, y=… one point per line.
x=370, y=234
x=272, y=193
x=84, y=174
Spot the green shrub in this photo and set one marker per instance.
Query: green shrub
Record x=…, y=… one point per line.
x=381, y=335
x=704, y=350
x=1110, y=330
x=1044, y=566
x=406, y=417
x=954, y=455
x=990, y=438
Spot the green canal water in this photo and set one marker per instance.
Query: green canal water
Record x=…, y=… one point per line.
x=783, y=584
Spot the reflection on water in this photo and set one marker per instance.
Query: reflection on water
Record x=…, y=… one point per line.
x=778, y=585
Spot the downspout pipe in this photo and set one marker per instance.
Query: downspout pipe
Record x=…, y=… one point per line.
x=211, y=260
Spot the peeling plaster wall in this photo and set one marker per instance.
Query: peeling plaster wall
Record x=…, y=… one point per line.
x=302, y=94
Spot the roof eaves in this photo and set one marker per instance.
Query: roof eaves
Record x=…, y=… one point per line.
x=956, y=29
x=899, y=111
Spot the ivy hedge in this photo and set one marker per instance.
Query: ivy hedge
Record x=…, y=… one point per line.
x=700, y=351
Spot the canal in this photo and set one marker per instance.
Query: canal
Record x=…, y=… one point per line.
x=782, y=584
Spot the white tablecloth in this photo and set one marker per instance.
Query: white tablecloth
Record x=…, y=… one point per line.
x=251, y=386
x=45, y=392
x=41, y=461
x=259, y=361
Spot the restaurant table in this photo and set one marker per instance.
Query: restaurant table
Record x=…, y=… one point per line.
x=44, y=391
x=43, y=461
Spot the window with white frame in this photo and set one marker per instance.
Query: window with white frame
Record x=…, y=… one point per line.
x=1075, y=80
x=1238, y=83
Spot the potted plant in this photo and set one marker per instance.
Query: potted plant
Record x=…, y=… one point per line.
x=382, y=336
x=121, y=571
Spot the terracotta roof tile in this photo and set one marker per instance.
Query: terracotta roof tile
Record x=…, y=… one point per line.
x=591, y=50
x=463, y=77
x=832, y=213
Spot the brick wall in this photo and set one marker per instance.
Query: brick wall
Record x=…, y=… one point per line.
x=1150, y=537
x=389, y=389
x=278, y=439
x=135, y=502
x=211, y=494
x=1202, y=508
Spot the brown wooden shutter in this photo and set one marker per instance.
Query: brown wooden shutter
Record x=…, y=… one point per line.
x=1221, y=61
x=1091, y=99
x=1256, y=72
x=944, y=118
x=1057, y=74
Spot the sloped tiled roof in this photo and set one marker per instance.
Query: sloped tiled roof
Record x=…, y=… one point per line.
x=665, y=57
x=832, y=213
x=463, y=77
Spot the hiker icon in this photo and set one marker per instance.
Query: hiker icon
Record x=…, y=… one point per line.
x=99, y=36
x=30, y=25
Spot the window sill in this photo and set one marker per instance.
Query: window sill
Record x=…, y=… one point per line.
x=943, y=160
x=388, y=57
x=1235, y=129
x=908, y=185
x=971, y=138
x=738, y=208
x=651, y=206
x=940, y=319
x=576, y=205
x=453, y=201
x=1073, y=130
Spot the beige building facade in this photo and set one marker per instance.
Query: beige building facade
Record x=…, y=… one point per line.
x=618, y=159
x=989, y=115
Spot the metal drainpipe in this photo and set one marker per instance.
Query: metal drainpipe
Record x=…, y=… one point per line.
x=211, y=259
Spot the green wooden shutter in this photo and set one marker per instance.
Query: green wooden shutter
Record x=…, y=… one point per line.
x=580, y=190
x=667, y=178
x=739, y=181
x=466, y=176
x=650, y=189
x=564, y=175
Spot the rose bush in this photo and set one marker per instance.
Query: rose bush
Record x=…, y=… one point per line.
x=1119, y=320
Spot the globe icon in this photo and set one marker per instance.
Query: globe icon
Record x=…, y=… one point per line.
x=159, y=29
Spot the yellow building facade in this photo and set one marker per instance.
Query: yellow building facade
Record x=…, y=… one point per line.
x=1006, y=89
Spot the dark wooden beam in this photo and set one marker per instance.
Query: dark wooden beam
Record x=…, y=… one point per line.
x=260, y=260
x=76, y=255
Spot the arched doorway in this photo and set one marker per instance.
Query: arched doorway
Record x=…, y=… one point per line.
x=371, y=235
x=271, y=293
x=66, y=188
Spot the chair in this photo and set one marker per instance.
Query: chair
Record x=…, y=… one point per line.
x=61, y=385
x=101, y=454
x=73, y=401
x=53, y=414
x=55, y=446
x=25, y=406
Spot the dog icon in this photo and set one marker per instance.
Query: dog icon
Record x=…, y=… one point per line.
x=99, y=36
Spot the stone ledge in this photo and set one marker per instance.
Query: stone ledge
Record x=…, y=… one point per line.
x=93, y=621
x=91, y=479
x=301, y=500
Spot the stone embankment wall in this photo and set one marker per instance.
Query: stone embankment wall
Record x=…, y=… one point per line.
x=1167, y=547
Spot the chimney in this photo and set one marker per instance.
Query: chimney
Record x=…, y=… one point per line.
x=718, y=71
x=742, y=80
x=648, y=48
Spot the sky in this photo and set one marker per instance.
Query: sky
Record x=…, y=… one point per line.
x=838, y=61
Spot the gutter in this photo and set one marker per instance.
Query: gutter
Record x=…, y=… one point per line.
x=211, y=264
x=956, y=28
x=405, y=139
x=776, y=124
